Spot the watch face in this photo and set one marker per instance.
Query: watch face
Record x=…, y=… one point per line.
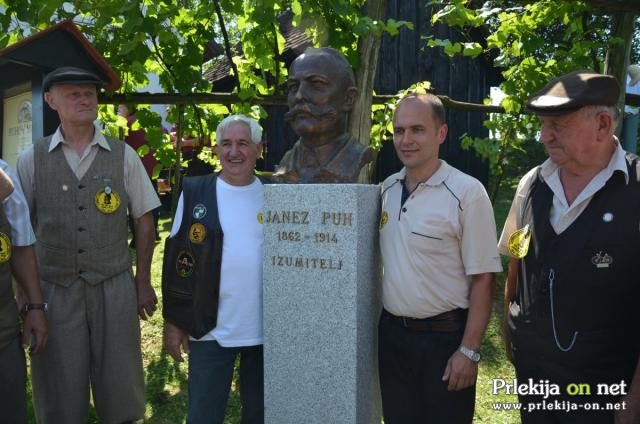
x=475, y=357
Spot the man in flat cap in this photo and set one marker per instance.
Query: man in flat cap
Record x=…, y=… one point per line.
x=321, y=91
x=79, y=185
x=573, y=235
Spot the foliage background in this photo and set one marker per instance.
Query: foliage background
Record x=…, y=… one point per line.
x=529, y=41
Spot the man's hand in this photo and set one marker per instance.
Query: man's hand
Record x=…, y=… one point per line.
x=36, y=327
x=21, y=298
x=461, y=372
x=174, y=339
x=631, y=413
x=6, y=185
x=147, y=299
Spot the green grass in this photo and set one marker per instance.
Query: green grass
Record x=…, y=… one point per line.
x=166, y=381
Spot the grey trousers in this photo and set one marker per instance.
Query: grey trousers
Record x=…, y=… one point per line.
x=93, y=344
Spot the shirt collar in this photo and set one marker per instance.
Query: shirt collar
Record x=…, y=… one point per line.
x=98, y=138
x=617, y=162
x=436, y=179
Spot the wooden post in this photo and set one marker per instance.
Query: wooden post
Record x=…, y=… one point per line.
x=369, y=46
x=176, y=186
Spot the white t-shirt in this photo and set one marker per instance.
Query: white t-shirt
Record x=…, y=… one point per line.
x=240, y=306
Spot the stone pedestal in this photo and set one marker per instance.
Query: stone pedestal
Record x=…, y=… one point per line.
x=321, y=304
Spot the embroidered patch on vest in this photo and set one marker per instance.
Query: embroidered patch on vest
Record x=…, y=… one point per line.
x=519, y=242
x=601, y=260
x=199, y=211
x=384, y=219
x=5, y=248
x=107, y=200
x=185, y=264
x=197, y=233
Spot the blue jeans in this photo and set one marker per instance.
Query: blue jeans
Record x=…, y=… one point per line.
x=210, y=374
x=411, y=366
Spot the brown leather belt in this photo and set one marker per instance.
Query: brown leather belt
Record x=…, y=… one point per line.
x=454, y=320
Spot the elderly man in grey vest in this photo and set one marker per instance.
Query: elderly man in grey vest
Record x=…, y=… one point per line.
x=17, y=258
x=79, y=184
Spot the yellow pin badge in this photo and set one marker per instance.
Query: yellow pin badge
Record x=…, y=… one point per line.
x=107, y=200
x=383, y=219
x=5, y=248
x=519, y=242
x=260, y=217
x=197, y=233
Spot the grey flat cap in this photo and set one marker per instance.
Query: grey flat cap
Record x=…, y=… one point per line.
x=70, y=75
x=572, y=91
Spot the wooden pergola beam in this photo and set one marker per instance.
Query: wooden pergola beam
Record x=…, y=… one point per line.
x=281, y=100
x=612, y=6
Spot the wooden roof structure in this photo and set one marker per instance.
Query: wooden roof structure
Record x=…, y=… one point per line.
x=59, y=45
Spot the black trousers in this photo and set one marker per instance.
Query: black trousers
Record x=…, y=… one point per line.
x=411, y=367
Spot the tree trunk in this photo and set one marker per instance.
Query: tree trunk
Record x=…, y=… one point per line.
x=369, y=48
x=618, y=56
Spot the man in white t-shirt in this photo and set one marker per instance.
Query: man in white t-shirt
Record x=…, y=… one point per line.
x=212, y=278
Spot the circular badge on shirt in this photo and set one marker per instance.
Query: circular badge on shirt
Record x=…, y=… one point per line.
x=185, y=263
x=197, y=233
x=383, y=219
x=107, y=201
x=5, y=248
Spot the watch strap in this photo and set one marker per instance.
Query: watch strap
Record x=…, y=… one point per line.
x=37, y=306
x=473, y=355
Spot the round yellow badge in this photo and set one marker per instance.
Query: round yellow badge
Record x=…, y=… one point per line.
x=383, y=219
x=519, y=242
x=197, y=233
x=260, y=217
x=107, y=202
x=5, y=248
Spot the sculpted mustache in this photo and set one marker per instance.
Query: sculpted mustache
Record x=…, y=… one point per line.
x=313, y=110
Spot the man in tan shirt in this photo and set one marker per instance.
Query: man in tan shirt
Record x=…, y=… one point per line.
x=436, y=238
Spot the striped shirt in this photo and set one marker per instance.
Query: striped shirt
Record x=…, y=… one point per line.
x=17, y=212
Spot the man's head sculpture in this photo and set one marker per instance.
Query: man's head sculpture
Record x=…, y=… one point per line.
x=321, y=92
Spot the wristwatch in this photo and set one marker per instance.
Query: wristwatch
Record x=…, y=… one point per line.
x=473, y=355
x=41, y=306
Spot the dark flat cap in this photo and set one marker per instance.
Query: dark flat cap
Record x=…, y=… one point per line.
x=70, y=75
x=572, y=91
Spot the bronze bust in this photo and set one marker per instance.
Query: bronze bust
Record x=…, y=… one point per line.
x=321, y=91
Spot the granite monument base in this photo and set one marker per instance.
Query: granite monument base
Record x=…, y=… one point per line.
x=321, y=304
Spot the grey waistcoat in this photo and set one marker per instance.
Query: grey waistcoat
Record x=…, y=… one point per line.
x=8, y=310
x=75, y=240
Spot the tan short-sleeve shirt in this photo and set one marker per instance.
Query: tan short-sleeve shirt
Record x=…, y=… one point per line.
x=435, y=242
